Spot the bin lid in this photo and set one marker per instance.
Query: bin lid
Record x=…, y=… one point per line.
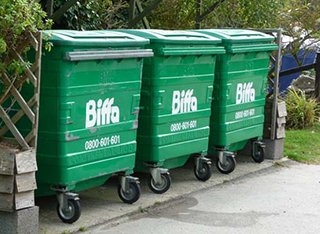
x=232, y=36
x=105, y=38
x=174, y=36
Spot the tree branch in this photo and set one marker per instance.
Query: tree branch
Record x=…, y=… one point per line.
x=211, y=9
x=59, y=13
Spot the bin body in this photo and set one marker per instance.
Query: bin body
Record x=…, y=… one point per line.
x=176, y=94
x=239, y=88
x=90, y=93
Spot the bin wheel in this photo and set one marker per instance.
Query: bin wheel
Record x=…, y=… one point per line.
x=203, y=173
x=132, y=195
x=72, y=213
x=228, y=167
x=163, y=186
x=258, y=155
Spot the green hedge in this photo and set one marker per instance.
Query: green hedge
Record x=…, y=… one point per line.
x=17, y=18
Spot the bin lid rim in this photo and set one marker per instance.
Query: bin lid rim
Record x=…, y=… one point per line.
x=174, y=36
x=238, y=35
x=94, y=38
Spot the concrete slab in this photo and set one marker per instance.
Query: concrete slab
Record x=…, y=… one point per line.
x=102, y=205
x=23, y=221
x=274, y=148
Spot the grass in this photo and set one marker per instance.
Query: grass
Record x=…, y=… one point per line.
x=66, y=232
x=142, y=210
x=83, y=229
x=303, y=145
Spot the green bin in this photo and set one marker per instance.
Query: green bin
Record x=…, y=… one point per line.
x=239, y=94
x=175, y=104
x=89, y=104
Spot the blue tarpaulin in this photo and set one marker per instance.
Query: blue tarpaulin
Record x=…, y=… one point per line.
x=288, y=62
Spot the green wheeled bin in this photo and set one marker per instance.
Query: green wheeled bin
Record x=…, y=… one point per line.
x=175, y=104
x=239, y=95
x=89, y=103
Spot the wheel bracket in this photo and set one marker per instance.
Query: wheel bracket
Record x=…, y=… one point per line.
x=200, y=161
x=255, y=146
x=223, y=156
x=63, y=198
x=126, y=180
x=156, y=173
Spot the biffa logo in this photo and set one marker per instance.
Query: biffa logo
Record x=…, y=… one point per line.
x=182, y=101
x=245, y=93
x=101, y=112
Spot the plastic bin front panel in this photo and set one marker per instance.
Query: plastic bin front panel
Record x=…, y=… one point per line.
x=175, y=101
x=88, y=117
x=239, y=89
x=239, y=98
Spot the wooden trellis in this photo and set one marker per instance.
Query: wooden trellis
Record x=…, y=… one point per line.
x=12, y=94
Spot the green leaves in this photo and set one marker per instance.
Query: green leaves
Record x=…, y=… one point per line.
x=90, y=15
x=245, y=14
x=17, y=18
x=3, y=46
x=81, y=16
x=230, y=13
x=16, y=68
x=174, y=14
x=301, y=21
x=302, y=111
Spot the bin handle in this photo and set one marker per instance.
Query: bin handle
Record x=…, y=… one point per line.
x=209, y=93
x=190, y=51
x=135, y=104
x=252, y=48
x=67, y=109
x=107, y=54
x=229, y=86
x=158, y=100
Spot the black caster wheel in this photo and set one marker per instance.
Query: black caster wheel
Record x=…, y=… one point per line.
x=161, y=187
x=132, y=195
x=258, y=154
x=228, y=167
x=71, y=213
x=203, y=173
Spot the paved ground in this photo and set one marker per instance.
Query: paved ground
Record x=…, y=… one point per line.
x=278, y=200
x=102, y=205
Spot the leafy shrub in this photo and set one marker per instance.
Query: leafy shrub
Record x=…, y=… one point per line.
x=17, y=18
x=91, y=15
x=81, y=16
x=181, y=14
x=113, y=14
x=303, y=112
